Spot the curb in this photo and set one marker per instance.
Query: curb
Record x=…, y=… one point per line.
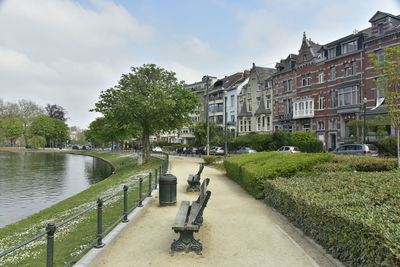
x=111, y=238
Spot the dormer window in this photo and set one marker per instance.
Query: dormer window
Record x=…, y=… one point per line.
x=331, y=52
x=380, y=29
x=349, y=47
x=304, y=57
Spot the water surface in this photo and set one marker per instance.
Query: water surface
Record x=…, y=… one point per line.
x=32, y=181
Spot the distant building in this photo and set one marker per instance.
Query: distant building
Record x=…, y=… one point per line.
x=255, y=102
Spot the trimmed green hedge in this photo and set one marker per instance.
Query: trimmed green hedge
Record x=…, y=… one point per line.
x=355, y=216
x=366, y=164
x=252, y=170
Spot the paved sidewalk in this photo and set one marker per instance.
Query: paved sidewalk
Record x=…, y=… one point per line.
x=237, y=230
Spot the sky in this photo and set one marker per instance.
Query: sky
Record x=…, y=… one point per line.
x=66, y=52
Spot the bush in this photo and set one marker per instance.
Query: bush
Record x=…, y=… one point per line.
x=389, y=146
x=212, y=159
x=307, y=142
x=251, y=170
x=355, y=216
x=366, y=164
x=332, y=167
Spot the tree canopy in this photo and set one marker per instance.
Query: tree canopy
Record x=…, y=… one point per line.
x=388, y=69
x=150, y=99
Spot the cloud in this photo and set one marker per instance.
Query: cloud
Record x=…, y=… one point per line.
x=61, y=52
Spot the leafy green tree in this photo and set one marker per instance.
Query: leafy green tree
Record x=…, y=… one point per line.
x=37, y=141
x=388, y=81
x=12, y=129
x=28, y=110
x=106, y=130
x=53, y=130
x=200, y=133
x=151, y=99
x=56, y=112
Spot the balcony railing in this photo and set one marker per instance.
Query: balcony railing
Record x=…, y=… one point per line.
x=305, y=113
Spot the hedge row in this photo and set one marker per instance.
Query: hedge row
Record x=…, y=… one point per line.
x=252, y=170
x=366, y=164
x=355, y=216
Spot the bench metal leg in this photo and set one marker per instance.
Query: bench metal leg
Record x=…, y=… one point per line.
x=193, y=187
x=187, y=243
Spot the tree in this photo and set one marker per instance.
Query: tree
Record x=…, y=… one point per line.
x=388, y=69
x=200, y=133
x=53, y=130
x=149, y=98
x=28, y=110
x=105, y=130
x=56, y=112
x=12, y=129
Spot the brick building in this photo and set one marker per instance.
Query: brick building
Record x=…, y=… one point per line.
x=325, y=87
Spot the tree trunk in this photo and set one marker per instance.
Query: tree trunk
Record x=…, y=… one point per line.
x=146, y=146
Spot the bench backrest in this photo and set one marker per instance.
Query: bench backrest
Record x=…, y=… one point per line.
x=203, y=190
x=200, y=170
x=198, y=206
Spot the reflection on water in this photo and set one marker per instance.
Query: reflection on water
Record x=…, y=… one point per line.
x=30, y=182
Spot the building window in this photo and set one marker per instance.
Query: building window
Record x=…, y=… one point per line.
x=258, y=99
x=346, y=70
x=381, y=55
x=321, y=102
x=354, y=67
x=321, y=77
x=268, y=123
x=287, y=85
x=380, y=29
x=332, y=124
x=249, y=122
x=232, y=118
x=333, y=73
x=232, y=100
x=303, y=108
x=268, y=102
x=321, y=125
x=348, y=96
x=258, y=123
x=306, y=80
x=263, y=122
x=245, y=125
x=349, y=47
x=331, y=52
x=241, y=125
x=333, y=95
x=249, y=105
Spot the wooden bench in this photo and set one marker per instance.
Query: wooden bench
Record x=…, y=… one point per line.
x=194, y=180
x=189, y=220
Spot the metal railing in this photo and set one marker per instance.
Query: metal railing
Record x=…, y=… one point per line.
x=51, y=228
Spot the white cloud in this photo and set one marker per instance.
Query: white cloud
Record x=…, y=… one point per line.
x=60, y=52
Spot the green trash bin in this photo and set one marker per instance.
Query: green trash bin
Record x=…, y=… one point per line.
x=167, y=189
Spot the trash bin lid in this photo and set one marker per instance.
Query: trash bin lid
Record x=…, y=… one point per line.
x=168, y=178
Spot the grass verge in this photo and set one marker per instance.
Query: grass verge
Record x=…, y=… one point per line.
x=72, y=237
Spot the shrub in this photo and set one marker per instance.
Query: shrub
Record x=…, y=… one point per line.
x=367, y=164
x=212, y=159
x=332, y=167
x=251, y=170
x=389, y=146
x=307, y=142
x=355, y=216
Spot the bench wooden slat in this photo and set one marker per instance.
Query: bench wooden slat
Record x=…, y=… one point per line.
x=194, y=210
x=180, y=219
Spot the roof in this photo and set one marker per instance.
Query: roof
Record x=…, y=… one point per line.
x=261, y=109
x=243, y=111
x=262, y=73
x=228, y=81
x=380, y=15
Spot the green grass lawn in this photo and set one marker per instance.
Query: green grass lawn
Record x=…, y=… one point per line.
x=71, y=238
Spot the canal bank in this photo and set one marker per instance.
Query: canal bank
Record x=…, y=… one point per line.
x=69, y=239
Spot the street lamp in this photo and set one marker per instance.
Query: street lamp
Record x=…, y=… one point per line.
x=225, y=122
x=364, y=122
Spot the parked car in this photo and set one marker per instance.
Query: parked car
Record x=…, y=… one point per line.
x=289, y=149
x=191, y=150
x=201, y=150
x=181, y=150
x=157, y=149
x=216, y=150
x=245, y=150
x=357, y=149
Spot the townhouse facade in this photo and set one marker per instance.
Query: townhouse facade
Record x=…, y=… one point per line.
x=333, y=84
x=254, y=103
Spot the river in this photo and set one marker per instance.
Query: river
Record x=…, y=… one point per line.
x=33, y=181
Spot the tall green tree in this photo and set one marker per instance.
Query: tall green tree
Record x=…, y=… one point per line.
x=200, y=133
x=388, y=69
x=53, y=130
x=106, y=130
x=27, y=111
x=12, y=129
x=150, y=98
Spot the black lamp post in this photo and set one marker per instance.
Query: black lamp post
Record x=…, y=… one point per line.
x=364, y=122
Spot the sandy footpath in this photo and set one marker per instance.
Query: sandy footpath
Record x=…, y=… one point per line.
x=237, y=230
